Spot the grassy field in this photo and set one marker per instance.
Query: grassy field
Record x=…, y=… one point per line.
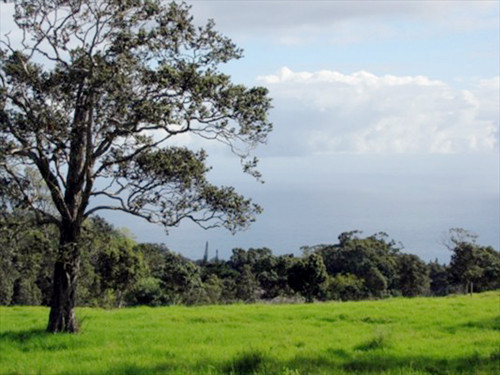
x=451, y=335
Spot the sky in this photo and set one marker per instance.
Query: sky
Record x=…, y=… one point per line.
x=386, y=118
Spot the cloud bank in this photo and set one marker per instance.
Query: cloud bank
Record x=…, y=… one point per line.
x=329, y=112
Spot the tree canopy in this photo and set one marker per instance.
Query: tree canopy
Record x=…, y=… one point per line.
x=96, y=92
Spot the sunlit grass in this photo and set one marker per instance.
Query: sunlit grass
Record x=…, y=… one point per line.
x=457, y=334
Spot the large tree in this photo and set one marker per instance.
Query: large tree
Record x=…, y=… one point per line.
x=93, y=97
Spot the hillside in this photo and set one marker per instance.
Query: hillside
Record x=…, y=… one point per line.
x=449, y=335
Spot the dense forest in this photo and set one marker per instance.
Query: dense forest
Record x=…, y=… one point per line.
x=117, y=271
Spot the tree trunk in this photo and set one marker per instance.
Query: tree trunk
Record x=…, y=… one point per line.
x=62, y=312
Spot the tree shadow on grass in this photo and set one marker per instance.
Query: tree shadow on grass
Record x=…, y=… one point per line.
x=249, y=362
x=23, y=336
x=486, y=324
x=330, y=362
x=133, y=369
x=371, y=359
x=37, y=340
x=379, y=362
x=473, y=364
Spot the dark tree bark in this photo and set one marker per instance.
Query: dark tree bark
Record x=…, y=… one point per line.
x=62, y=312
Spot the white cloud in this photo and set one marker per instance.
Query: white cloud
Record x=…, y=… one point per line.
x=328, y=112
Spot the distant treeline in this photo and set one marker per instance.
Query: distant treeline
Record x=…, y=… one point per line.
x=117, y=271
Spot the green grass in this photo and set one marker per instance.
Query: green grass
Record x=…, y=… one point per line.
x=451, y=335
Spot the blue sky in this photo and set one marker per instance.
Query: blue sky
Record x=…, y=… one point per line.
x=386, y=118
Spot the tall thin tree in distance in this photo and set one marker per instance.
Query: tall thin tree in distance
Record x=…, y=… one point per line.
x=205, y=254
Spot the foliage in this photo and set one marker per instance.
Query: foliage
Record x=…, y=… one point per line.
x=413, y=276
x=274, y=278
x=439, y=276
x=148, y=291
x=308, y=276
x=116, y=271
x=371, y=259
x=247, y=287
x=270, y=278
x=181, y=279
x=345, y=287
x=475, y=267
x=27, y=255
x=213, y=290
x=119, y=267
